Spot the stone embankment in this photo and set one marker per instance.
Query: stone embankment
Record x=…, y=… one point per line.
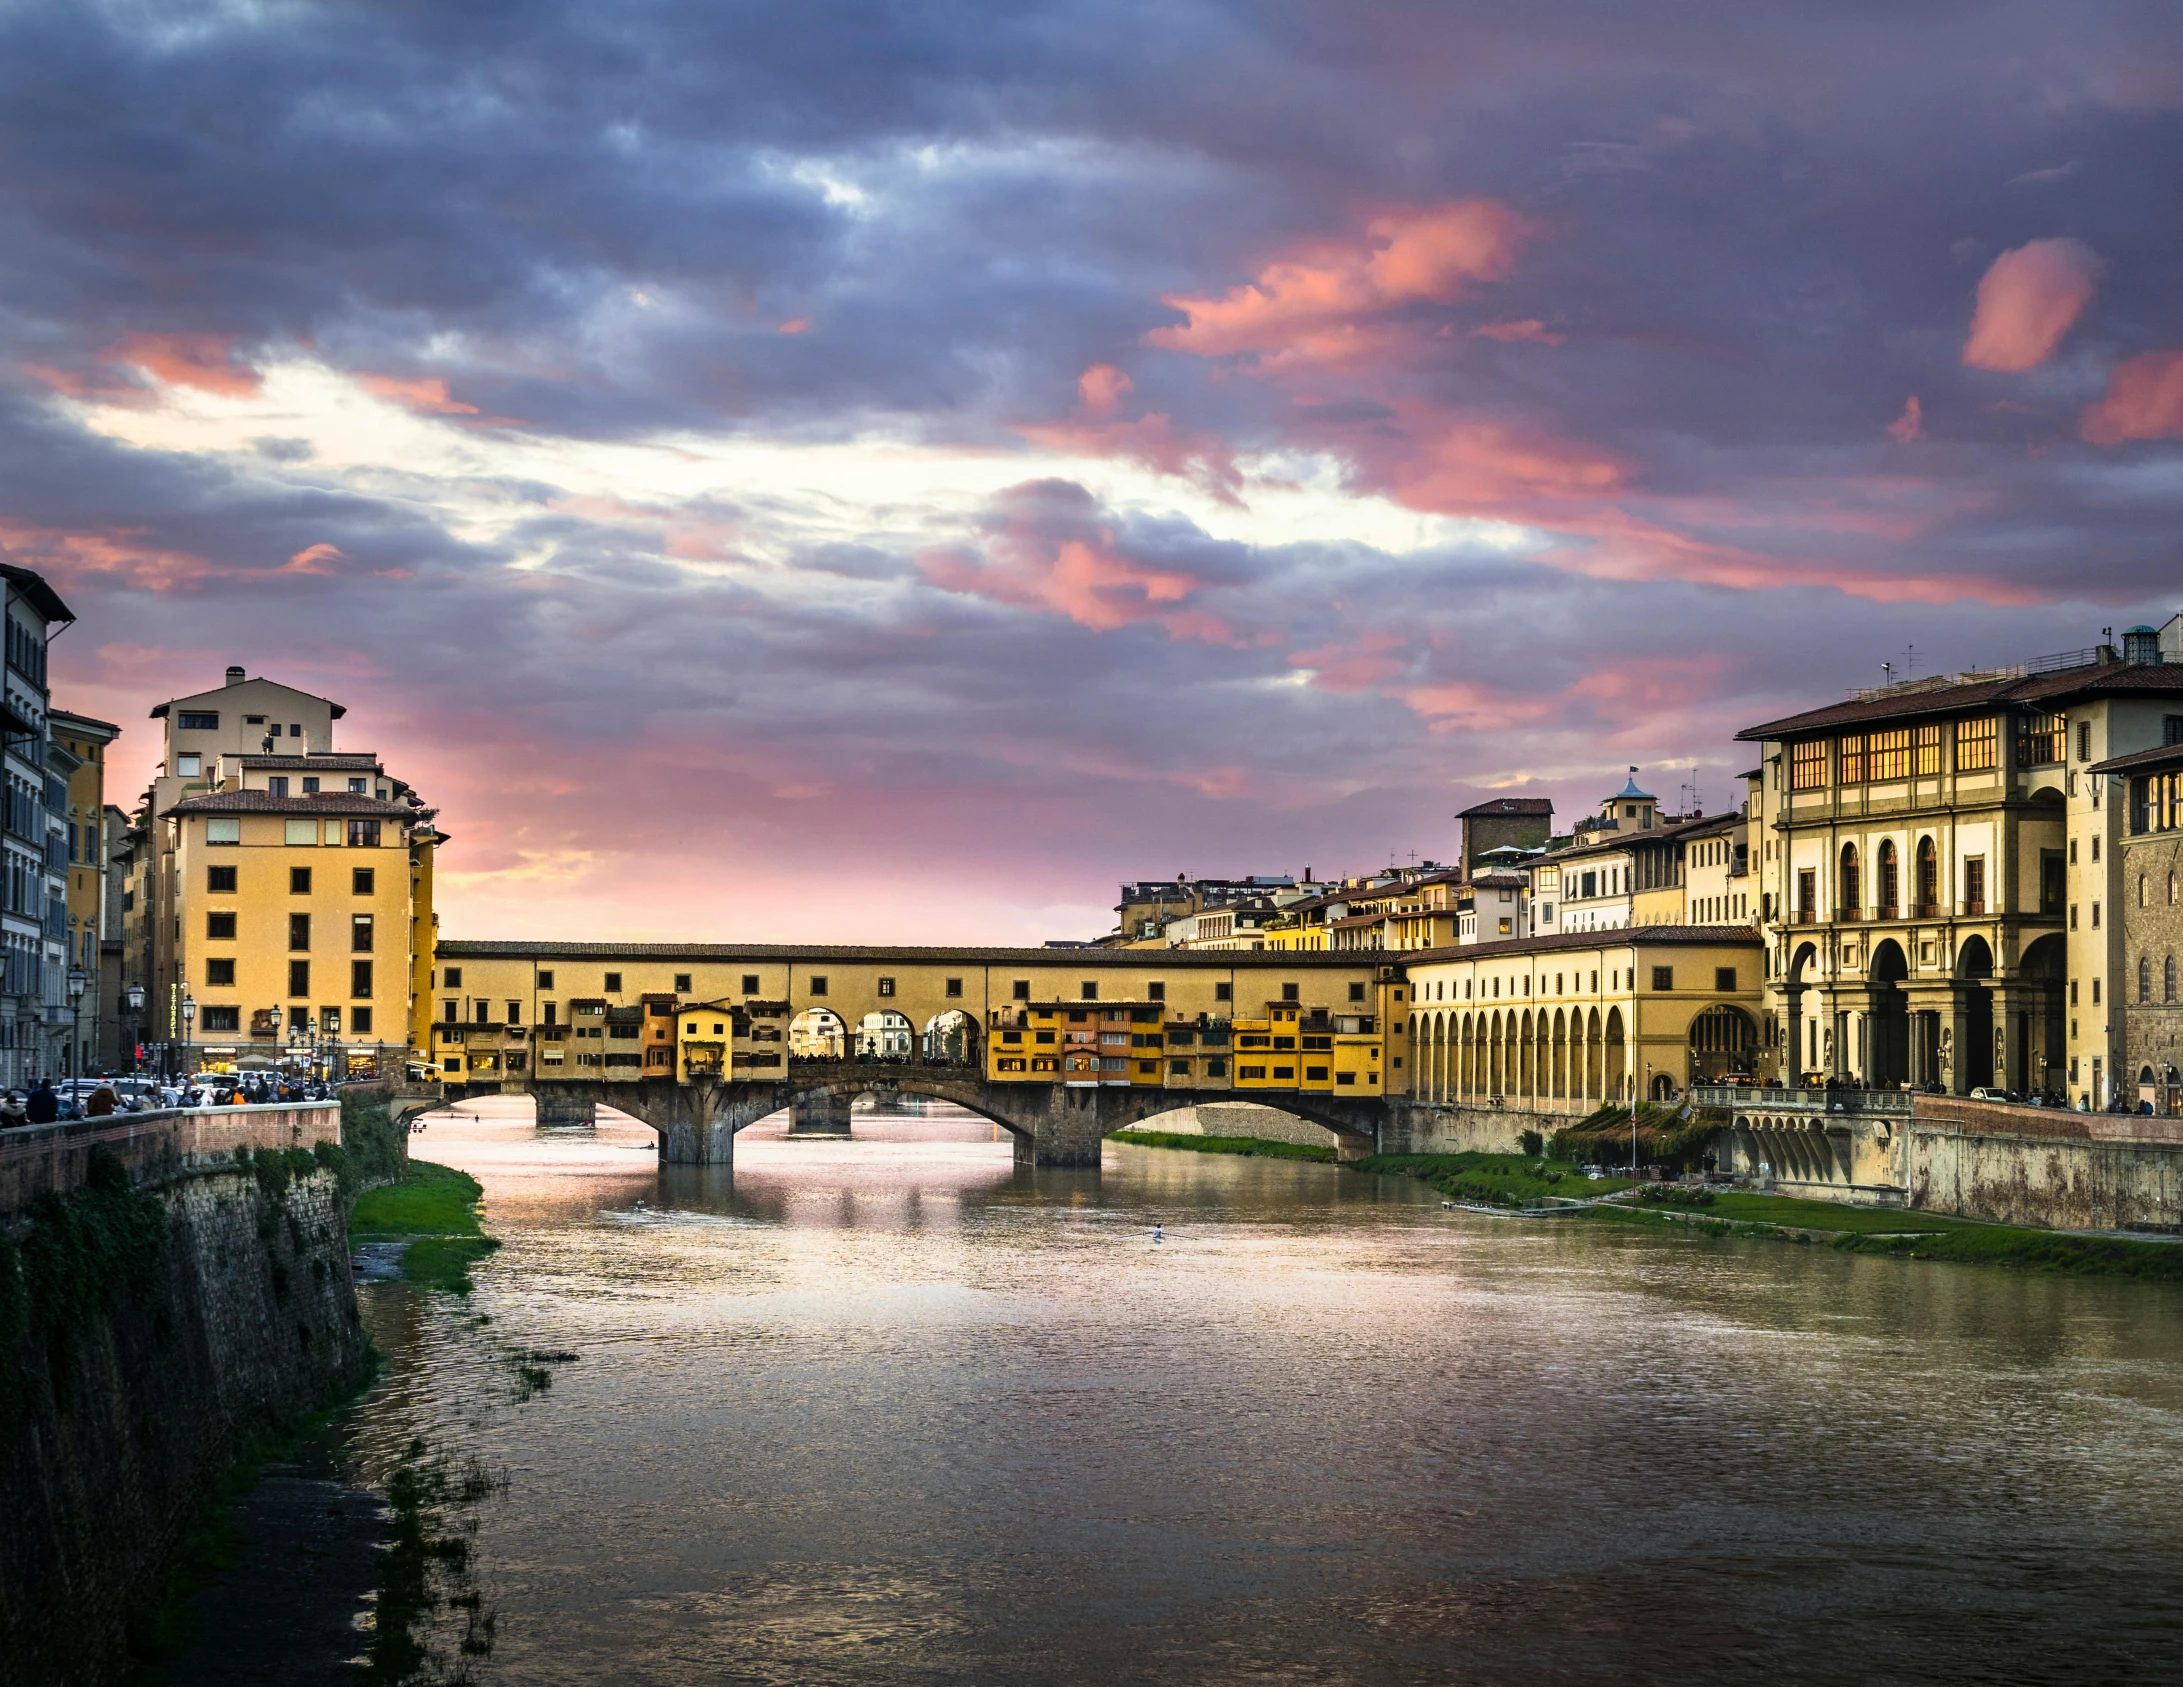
x=174, y=1289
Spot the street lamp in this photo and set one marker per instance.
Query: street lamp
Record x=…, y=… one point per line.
x=133, y=1000
x=189, y=1025
x=76, y=982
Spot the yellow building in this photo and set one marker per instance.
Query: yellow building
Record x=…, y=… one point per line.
x=94, y=936
x=1561, y=1024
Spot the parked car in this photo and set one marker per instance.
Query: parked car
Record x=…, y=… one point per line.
x=1987, y=1092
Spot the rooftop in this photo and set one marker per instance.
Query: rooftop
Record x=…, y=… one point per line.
x=1508, y=805
x=1963, y=693
x=318, y=802
x=1643, y=937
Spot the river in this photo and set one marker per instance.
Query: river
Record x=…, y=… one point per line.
x=895, y=1411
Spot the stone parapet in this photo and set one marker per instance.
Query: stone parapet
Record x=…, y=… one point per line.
x=176, y=1142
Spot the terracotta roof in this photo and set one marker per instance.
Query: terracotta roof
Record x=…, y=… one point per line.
x=1508, y=805
x=1644, y=937
x=329, y=761
x=2091, y=679
x=1152, y=962
x=2139, y=761
x=264, y=802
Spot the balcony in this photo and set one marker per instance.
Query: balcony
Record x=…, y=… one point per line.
x=1887, y=911
x=1806, y=917
x=1925, y=910
x=1973, y=910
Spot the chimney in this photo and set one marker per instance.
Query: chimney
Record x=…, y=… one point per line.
x=235, y=676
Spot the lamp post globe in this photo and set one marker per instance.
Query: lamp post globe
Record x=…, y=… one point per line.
x=189, y=1028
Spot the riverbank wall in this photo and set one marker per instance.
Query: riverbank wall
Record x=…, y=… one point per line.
x=174, y=1290
x=1994, y=1161
x=1417, y=1127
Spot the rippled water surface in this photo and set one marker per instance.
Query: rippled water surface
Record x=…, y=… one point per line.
x=895, y=1411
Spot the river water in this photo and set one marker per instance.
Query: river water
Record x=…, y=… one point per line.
x=895, y=1411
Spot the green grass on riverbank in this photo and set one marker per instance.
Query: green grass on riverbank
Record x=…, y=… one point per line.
x=1256, y=1146
x=435, y=1210
x=1909, y=1234
x=1494, y=1180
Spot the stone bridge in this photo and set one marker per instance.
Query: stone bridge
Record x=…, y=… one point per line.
x=1052, y=1124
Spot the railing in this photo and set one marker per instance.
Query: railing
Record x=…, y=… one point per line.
x=172, y=1142
x=1801, y=1099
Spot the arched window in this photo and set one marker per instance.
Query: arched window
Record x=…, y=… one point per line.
x=1928, y=874
x=2144, y=899
x=2171, y=890
x=1850, y=888
x=2145, y=980
x=1890, y=882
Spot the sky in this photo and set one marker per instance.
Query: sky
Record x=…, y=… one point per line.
x=890, y=473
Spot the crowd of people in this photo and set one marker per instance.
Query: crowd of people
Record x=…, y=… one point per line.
x=95, y=1098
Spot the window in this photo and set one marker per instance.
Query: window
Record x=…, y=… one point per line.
x=1089, y=991
x=2095, y=992
x=682, y=984
x=2167, y=979
x=2145, y=980
x=2084, y=740
x=1315, y=1074
x=363, y=834
x=299, y=931
x=360, y=979
x=2095, y=927
x=886, y=986
x=360, y=1024
x=1022, y=990
x=1724, y=980
x=1216, y=1066
x=188, y=767
x=1889, y=755
x=299, y=978
x=221, y=1018
x=1289, y=992
x=954, y=987
x=220, y=880
x=2039, y=740
x=1890, y=885
x=1224, y=992
x=310, y=787
x=276, y=785
x=452, y=978
x=299, y=881
x=1925, y=749
x=1848, y=893
x=220, y=970
x=363, y=880
x=301, y=834
x=817, y=985
x=357, y=787
x=190, y=722
x=220, y=925
x=1663, y=978
x=515, y=1013
x=1807, y=896
x=360, y=929
x=1853, y=758
x=482, y=1011
x=1356, y=992
x=550, y=1012
x=223, y=831
x=1974, y=884
x=614, y=984
x=329, y=1021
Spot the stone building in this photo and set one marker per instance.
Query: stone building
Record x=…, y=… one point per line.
x=1938, y=874
x=92, y=949
x=33, y=883
x=2147, y=787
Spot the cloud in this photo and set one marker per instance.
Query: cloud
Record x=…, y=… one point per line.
x=1910, y=425
x=1047, y=548
x=1316, y=302
x=204, y=361
x=427, y=395
x=1102, y=387
x=2027, y=300
x=2144, y=400
x=1531, y=332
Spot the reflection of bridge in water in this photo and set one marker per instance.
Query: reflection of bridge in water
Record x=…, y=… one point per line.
x=1059, y=1047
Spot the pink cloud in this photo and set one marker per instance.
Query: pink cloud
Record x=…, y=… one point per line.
x=799, y=325
x=1309, y=304
x=2027, y=300
x=203, y=361
x=1467, y=706
x=1370, y=660
x=1530, y=332
x=2144, y=400
x=313, y=559
x=426, y=395
x=1910, y=425
x=1102, y=387
x=1081, y=574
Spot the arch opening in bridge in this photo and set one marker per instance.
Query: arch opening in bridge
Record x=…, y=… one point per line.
x=817, y=1034
x=885, y=1036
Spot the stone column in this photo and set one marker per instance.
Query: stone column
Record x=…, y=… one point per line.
x=695, y=1123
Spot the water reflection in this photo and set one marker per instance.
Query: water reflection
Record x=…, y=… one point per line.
x=897, y=1409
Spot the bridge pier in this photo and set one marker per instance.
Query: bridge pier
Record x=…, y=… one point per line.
x=559, y=1111
x=821, y=1113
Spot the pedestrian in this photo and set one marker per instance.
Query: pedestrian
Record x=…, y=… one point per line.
x=44, y=1106
x=102, y=1103
x=11, y=1111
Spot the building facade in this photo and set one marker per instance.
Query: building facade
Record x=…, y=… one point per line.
x=1939, y=870
x=92, y=948
x=33, y=863
x=2148, y=788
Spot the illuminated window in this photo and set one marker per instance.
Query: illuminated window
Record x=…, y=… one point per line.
x=1925, y=750
x=1888, y=754
x=1808, y=765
